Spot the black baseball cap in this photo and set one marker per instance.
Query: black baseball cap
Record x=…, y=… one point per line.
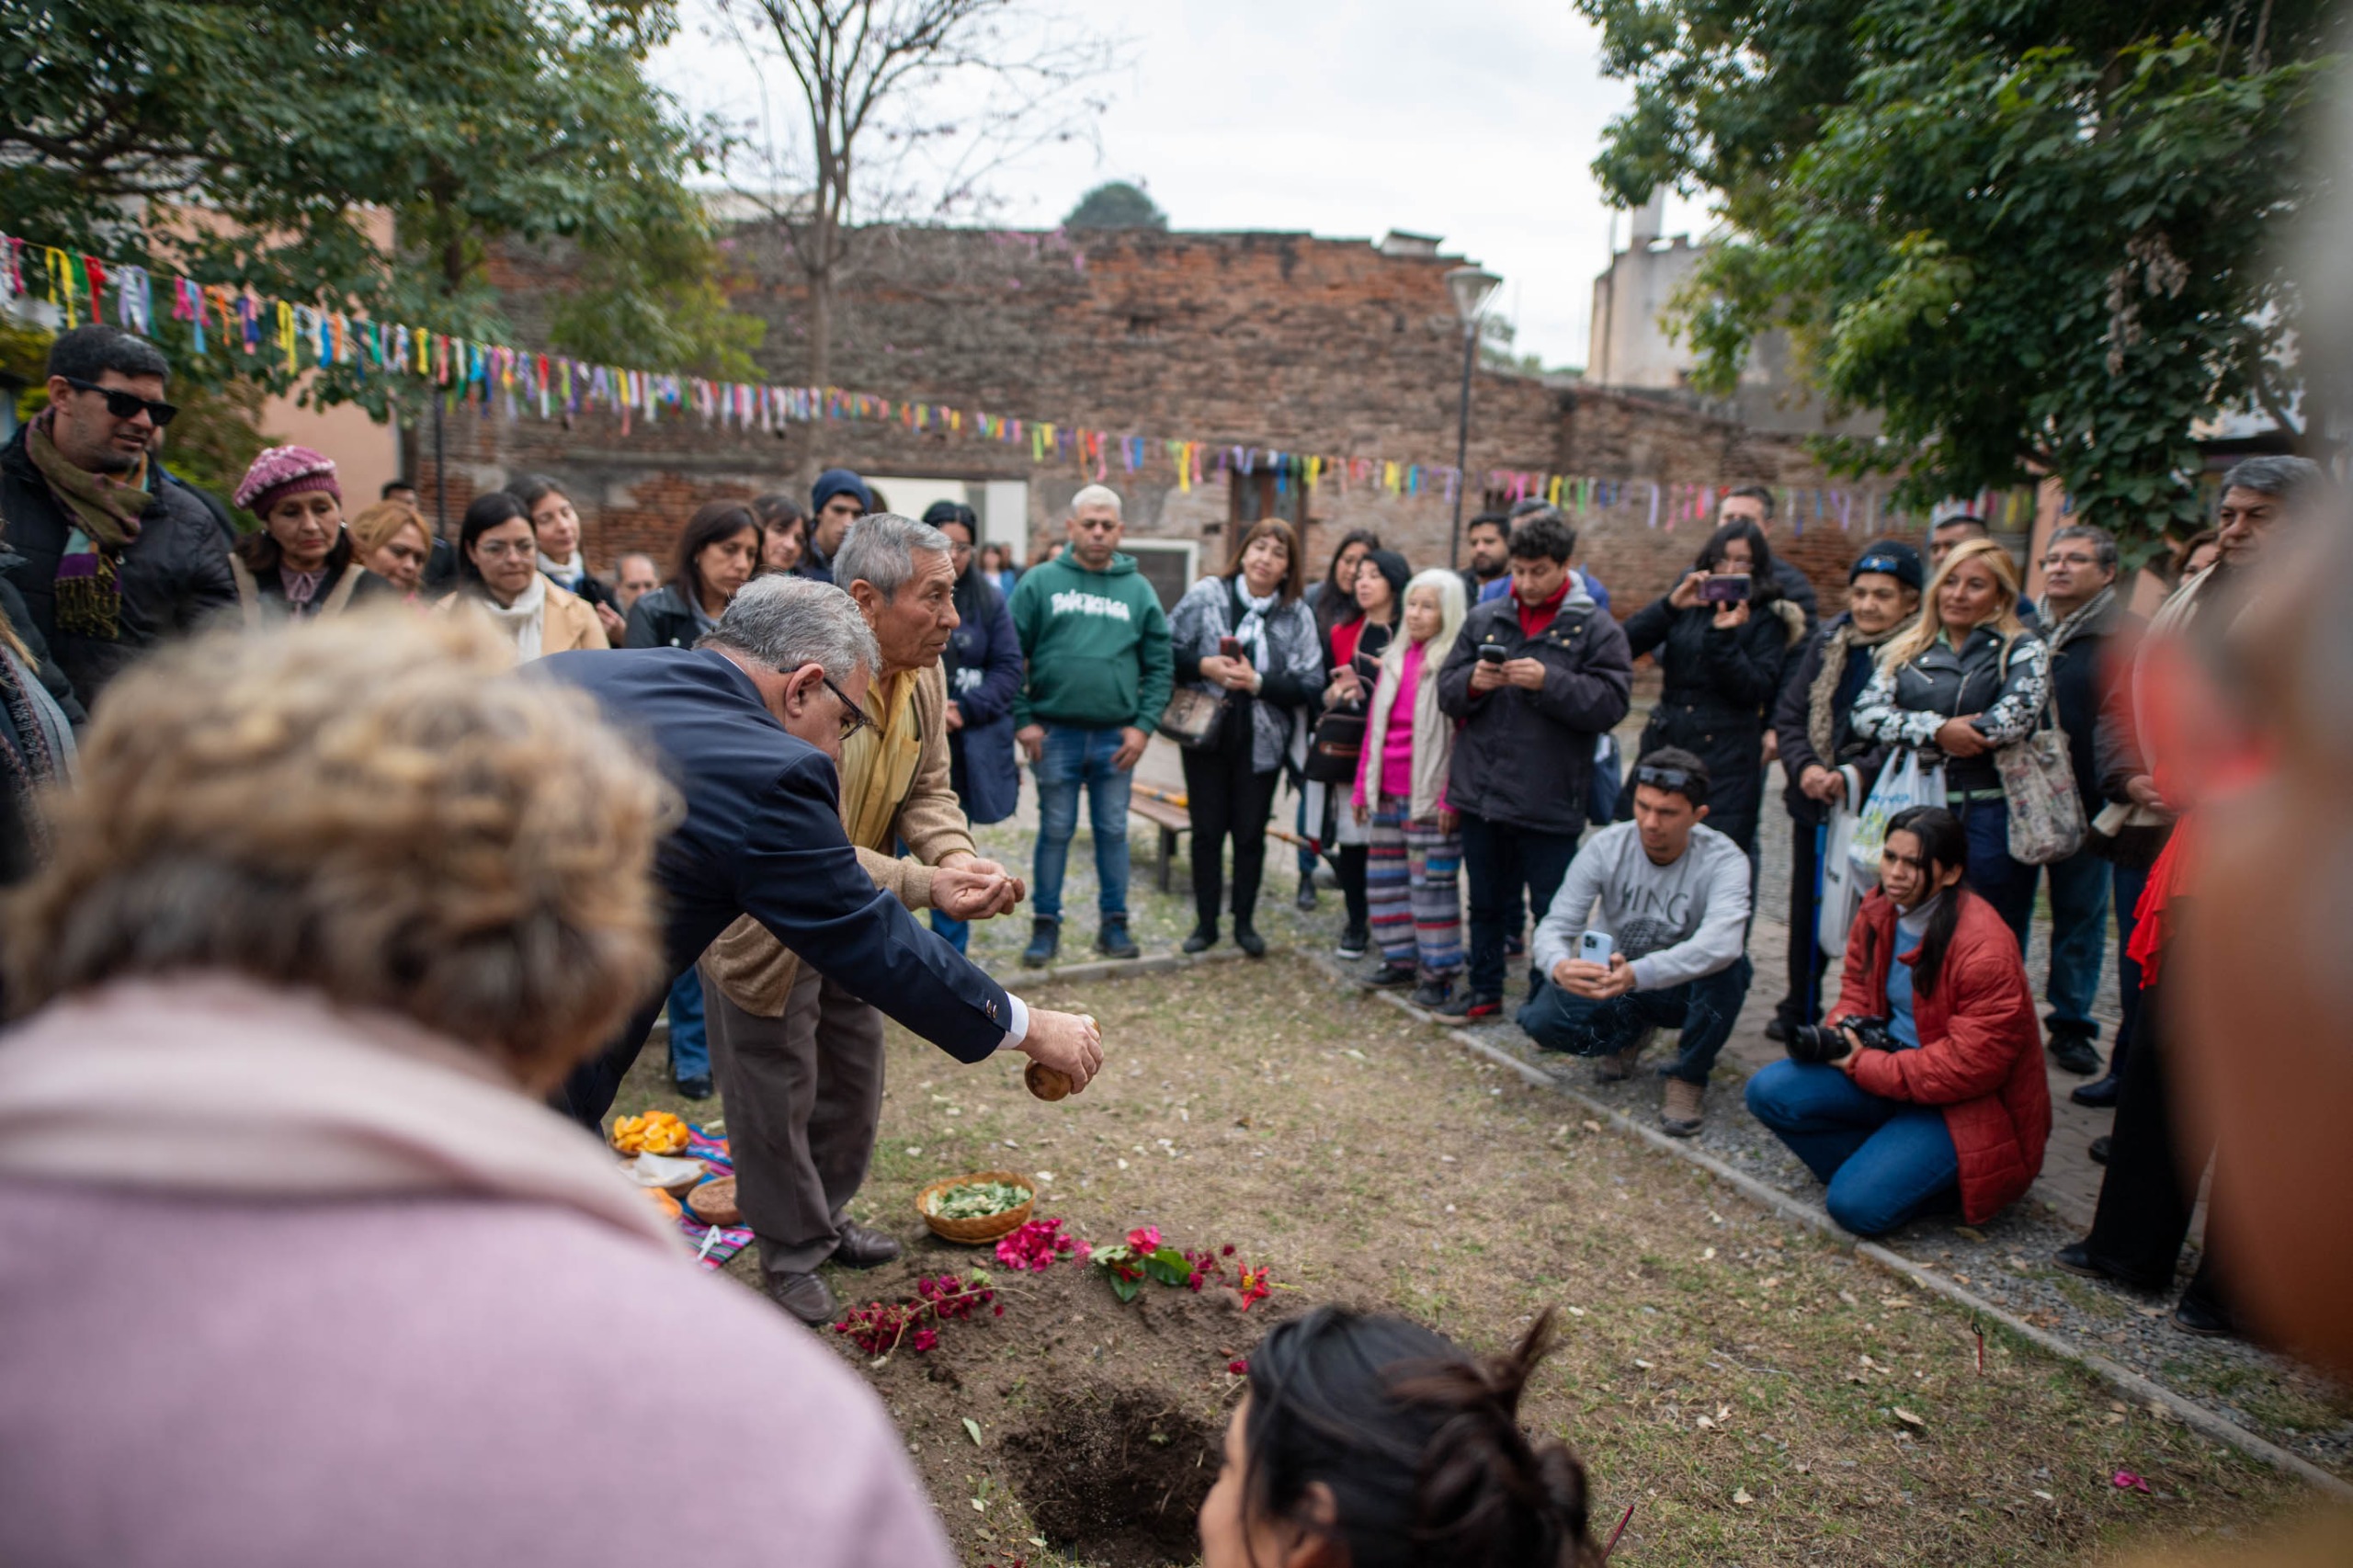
x=1894, y=557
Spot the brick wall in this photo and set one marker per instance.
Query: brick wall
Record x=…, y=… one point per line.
x=1268, y=341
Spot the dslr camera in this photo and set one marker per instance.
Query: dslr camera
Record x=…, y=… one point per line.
x=1822, y=1042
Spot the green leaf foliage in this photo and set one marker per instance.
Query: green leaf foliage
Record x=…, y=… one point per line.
x=296, y=124
x=2036, y=236
x=1115, y=205
x=1168, y=1267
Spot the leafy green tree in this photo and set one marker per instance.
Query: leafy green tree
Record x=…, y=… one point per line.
x=1116, y=204
x=2038, y=236
x=250, y=143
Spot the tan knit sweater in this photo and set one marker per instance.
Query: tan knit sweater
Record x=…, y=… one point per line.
x=754, y=969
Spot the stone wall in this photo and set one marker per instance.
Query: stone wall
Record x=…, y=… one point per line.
x=1269, y=342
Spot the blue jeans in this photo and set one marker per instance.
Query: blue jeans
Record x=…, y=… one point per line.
x=1884, y=1161
x=1074, y=756
x=2078, y=937
x=689, y=1041
x=1999, y=880
x=1704, y=1009
x=958, y=934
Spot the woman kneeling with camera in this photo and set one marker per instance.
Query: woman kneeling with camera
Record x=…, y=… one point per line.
x=1926, y=1083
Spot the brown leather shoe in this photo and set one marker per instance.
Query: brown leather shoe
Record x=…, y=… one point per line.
x=1682, y=1108
x=1617, y=1068
x=805, y=1296
x=862, y=1248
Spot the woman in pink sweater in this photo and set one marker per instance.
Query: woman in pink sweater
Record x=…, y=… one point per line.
x=1415, y=852
x=296, y=1265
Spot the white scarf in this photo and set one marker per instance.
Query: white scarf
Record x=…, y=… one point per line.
x=567, y=573
x=218, y=1085
x=1252, y=633
x=524, y=621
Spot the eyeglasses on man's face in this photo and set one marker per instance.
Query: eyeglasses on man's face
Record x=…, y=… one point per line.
x=126, y=405
x=854, y=717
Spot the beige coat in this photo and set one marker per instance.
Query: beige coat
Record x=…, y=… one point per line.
x=567, y=623
x=1433, y=730
x=754, y=969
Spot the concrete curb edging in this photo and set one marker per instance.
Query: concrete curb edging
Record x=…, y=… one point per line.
x=2190, y=1414
x=1117, y=969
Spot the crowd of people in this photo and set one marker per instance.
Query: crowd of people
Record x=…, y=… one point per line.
x=359, y=878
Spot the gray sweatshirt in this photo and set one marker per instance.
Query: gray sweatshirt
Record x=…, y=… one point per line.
x=1676, y=922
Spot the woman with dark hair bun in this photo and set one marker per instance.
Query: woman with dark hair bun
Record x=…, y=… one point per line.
x=499, y=580
x=1376, y=1443
x=555, y=524
x=1924, y=1084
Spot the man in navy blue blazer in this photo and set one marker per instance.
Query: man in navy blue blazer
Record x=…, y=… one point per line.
x=747, y=728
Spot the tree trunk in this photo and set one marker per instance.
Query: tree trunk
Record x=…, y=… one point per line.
x=821, y=326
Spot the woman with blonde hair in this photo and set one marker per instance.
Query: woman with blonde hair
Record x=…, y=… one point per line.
x=1966, y=679
x=1416, y=853
x=329, y=914
x=391, y=540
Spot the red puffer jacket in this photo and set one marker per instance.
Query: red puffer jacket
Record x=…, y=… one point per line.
x=1980, y=1050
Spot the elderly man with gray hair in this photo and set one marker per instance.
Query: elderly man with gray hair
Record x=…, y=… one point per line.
x=799, y=1055
x=749, y=727
x=1100, y=670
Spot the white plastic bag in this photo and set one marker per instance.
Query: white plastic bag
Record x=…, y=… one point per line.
x=1842, y=885
x=1903, y=783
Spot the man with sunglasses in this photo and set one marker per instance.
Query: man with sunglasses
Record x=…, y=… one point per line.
x=799, y=1054
x=110, y=556
x=1674, y=921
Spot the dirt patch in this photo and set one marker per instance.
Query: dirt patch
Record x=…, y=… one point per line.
x=1758, y=1395
x=1116, y=1475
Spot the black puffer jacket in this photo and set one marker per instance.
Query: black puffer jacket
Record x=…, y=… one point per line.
x=175, y=577
x=1717, y=694
x=1526, y=757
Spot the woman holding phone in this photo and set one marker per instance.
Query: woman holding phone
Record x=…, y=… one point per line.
x=1247, y=637
x=1352, y=652
x=1722, y=640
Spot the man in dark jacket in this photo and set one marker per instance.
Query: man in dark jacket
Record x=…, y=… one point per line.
x=1755, y=504
x=1813, y=721
x=2090, y=633
x=839, y=499
x=747, y=728
x=1535, y=677
x=116, y=559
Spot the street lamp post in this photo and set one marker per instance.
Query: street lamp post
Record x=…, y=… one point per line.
x=1471, y=287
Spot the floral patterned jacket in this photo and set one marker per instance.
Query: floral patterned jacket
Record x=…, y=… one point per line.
x=2005, y=683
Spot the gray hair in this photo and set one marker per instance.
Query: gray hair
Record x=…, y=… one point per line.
x=2103, y=544
x=785, y=622
x=1096, y=495
x=881, y=550
x=2288, y=478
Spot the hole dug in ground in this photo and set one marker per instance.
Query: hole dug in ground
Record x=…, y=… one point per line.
x=1116, y=1475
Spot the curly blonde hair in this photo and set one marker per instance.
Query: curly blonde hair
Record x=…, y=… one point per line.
x=366, y=807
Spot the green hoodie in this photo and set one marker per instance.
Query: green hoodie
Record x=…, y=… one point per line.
x=1096, y=643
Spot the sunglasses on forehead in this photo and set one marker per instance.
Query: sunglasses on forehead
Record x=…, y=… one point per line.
x=126, y=406
x=1678, y=780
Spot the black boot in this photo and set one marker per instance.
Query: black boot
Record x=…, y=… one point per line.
x=2075, y=1049
x=1203, y=939
x=1045, y=941
x=2100, y=1092
x=1246, y=937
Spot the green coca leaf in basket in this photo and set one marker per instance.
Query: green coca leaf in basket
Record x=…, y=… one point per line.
x=979, y=1199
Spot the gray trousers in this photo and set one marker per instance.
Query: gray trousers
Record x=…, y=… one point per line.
x=805, y=1099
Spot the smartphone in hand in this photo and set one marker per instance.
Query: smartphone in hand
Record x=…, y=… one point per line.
x=1229, y=647
x=1595, y=947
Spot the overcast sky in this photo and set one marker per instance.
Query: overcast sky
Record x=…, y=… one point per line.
x=1474, y=121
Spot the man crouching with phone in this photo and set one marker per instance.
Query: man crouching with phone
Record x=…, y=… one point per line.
x=1666, y=951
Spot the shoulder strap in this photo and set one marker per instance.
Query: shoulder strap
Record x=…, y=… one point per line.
x=248, y=592
x=340, y=595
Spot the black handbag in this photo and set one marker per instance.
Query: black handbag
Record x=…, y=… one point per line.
x=1333, y=748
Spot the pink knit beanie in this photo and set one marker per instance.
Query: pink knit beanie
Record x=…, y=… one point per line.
x=286, y=471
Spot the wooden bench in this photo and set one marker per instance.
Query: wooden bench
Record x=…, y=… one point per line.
x=1167, y=813
x=1170, y=817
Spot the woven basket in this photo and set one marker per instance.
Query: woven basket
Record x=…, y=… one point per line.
x=714, y=1203
x=972, y=1232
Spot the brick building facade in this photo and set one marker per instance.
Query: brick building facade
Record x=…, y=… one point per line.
x=1261, y=342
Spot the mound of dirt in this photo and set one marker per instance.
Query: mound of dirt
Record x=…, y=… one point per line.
x=1116, y=1474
